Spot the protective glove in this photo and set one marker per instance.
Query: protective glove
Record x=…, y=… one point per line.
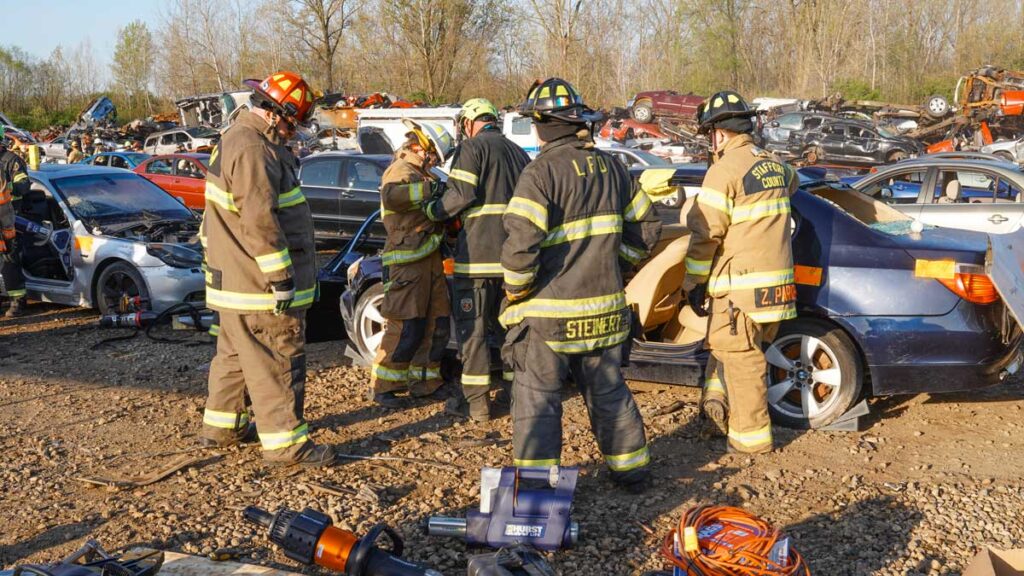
x=284, y=295
x=697, y=298
x=516, y=296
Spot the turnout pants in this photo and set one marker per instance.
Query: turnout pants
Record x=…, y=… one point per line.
x=264, y=355
x=418, y=326
x=540, y=374
x=12, y=275
x=475, y=307
x=735, y=376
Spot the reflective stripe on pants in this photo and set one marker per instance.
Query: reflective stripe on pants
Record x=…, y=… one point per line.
x=475, y=310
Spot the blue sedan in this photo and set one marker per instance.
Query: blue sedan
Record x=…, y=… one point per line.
x=884, y=308
x=125, y=160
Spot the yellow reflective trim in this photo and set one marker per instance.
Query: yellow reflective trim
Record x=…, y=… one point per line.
x=627, y=462
x=273, y=262
x=293, y=197
x=390, y=374
x=754, y=439
x=714, y=199
x=407, y=256
x=227, y=420
x=631, y=254
x=219, y=197
x=638, y=208
x=768, y=316
x=476, y=379
x=214, y=330
x=561, y=90
x=545, y=92
x=253, y=302
x=19, y=177
x=562, y=308
x=416, y=192
x=580, y=346
x=762, y=209
x=767, y=279
x=519, y=463
x=508, y=376
x=698, y=267
x=485, y=210
x=424, y=373
x=279, y=440
x=520, y=278
x=464, y=176
x=479, y=268
x=16, y=293
x=583, y=228
x=714, y=385
x=532, y=211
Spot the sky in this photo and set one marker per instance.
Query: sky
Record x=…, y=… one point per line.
x=40, y=26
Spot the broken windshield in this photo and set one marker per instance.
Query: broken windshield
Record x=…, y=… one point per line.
x=870, y=212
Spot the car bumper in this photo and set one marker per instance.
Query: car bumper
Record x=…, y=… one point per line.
x=348, y=310
x=169, y=286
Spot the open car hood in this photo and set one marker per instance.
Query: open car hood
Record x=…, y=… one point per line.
x=1004, y=264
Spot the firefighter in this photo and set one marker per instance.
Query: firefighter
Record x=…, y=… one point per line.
x=575, y=224
x=261, y=278
x=416, y=293
x=75, y=155
x=740, y=258
x=484, y=172
x=14, y=183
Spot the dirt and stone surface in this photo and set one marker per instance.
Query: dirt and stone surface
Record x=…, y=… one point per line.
x=928, y=481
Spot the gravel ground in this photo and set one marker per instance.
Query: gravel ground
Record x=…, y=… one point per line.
x=930, y=480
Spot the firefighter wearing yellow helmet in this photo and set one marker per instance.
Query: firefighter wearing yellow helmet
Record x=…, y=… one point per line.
x=416, y=303
x=740, y=259
x=483, y=175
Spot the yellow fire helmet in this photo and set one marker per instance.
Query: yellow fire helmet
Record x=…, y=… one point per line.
x=431, y=136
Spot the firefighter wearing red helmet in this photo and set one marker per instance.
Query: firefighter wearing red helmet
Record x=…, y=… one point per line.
x=740, y=262
x=261, y=278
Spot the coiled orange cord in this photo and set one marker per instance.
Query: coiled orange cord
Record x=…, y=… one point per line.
x=727, y=541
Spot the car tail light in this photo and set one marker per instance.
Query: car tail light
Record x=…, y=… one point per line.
x=975, y=288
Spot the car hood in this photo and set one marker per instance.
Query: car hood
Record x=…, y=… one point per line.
x=1004, y=264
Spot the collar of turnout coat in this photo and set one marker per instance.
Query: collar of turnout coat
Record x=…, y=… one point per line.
x=733, y=143
x=257, y=123
x=414, y=160
x=573, y=140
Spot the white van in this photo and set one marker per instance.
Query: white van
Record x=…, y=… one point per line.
x=389, y=120
x=520, y=129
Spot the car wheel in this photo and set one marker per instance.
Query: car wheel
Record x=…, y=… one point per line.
x=937, y=106
x=368, y=323
x=814, y=374
x=642, y=112
x=117, y=282
x=896, y=156
x=814, y=155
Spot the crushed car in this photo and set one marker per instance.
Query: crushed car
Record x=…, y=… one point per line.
x=645, y=107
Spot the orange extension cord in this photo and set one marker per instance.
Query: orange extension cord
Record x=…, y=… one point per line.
x=727, y=541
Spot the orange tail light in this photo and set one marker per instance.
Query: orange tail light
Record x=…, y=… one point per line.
x=975, y=288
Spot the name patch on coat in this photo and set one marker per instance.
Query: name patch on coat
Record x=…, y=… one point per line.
x=775, y=295
x=765, y=175
x=595, y=326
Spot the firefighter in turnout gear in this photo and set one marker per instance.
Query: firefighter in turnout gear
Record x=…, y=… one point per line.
x=415, y=290
x=14, y=183
x=575, y=223
x=740, y=259
x=261, y=278
x=484, y=172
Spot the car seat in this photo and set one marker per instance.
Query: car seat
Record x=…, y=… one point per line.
x=952, y=193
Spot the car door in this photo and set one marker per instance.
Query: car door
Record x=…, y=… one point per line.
x=166, y=145
x=160, y=171
x=116, y=161
x=859, y=143
x=972, y=199
x=320, y=180
x=360, y=194
x=189, y=183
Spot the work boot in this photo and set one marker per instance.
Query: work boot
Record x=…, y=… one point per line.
x=715, y=421
x=244, y=436
x=458, y=406
x=637, y=483
x=17, y=308
x=389, y=400
x=309, y=456
x=730, y=450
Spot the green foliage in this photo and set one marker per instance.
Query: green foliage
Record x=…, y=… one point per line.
x=39, y=118
x=420, y=96
x=930, y=86
x=856, y=89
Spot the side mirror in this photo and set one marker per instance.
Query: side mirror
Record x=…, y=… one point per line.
x=774, y=124
x=886, y=193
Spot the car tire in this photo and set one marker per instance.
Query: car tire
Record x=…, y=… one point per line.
x=896, y=156
x=802, y=398
x=937, y=106
x=642, y=112
x=814, y=154
x=116, y=281
x=368, y=323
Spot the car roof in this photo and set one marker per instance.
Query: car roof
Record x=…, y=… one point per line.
x=193, y=155
x=60, y=171
x=377, y=158
x=1005, y=168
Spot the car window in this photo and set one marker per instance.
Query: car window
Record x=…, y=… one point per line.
x=899, y=188
x=521, y=125
x=188, y=169
x=118, y=162
x=181, y=138
x=789, y=121
x=624, y=158
x=159, y=166
x=812, y=123
x=963, y=186
x=151, y=142
x=100, y=161
x=320, y=173
x=167, y=139
x=362, y=175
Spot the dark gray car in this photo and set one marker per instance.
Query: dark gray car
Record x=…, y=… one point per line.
x=342, y=189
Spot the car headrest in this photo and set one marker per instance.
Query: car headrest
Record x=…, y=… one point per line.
x=953, y=190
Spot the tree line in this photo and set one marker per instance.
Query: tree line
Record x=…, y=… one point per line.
x=445, y=51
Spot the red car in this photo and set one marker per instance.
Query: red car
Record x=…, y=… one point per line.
x=646, y=106
x=180, y=175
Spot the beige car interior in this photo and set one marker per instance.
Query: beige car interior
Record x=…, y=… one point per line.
x=952, y=193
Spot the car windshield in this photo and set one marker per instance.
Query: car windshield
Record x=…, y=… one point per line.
x=651, y=159
x=205, y=161
x=865, y=209
x=136, y=158
x=103, y=199
x=201, y=132
x=886, y=132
